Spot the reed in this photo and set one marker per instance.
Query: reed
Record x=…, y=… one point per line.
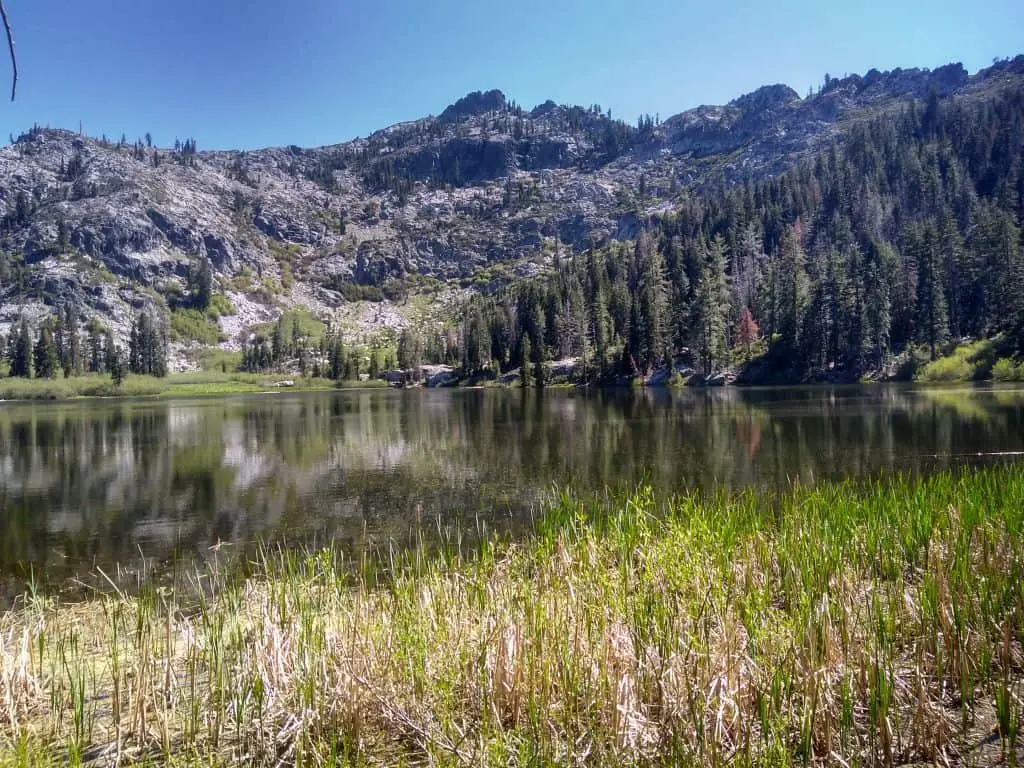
x=847, y=624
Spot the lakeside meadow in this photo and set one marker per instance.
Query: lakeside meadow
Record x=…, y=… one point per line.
x=851, y=623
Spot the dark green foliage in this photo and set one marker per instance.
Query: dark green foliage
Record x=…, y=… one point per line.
x=96, y=359
x=201, y=284
x=21, y=351
x=909, y=233
x=476, y=342
x=524, y=362
x=337, y=359
x=69, y=342
x=711, y=307
x=45, y=355
x=410, y=353
x=147, y=347
x=112, y=357
x=650, y=322
x=257, y=356
x=114, y=362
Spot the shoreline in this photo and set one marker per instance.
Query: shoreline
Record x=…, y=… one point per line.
x=877, y=622
x=175, y=385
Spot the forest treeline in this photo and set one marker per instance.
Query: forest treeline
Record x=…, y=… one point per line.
x=905, y=234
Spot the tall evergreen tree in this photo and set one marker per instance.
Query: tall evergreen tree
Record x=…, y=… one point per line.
x=21, y=351
x=202, y=284
x=95, y=349
x=337, y=359
x=932, y=323
x=410, y=353
x=45, y=357
x=712, y=307
x=111, y=355
x=147, y=347
x=525, y=379
x=793, y=287
x=652, y=305
x=71, y=357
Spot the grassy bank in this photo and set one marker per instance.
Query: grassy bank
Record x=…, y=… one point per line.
x=844, y=625
x=181, y=384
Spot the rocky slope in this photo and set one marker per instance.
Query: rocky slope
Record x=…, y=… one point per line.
x=483, y=192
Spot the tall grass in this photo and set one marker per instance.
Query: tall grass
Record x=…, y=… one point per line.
x=842, y=625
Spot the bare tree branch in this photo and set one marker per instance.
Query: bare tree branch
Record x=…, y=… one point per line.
x=10, y=46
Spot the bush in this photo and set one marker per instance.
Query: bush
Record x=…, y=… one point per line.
x=216, y=359
x=945, y=369
x=966, y=362
x=220, y=305
x=1006, y=370
x=354, y=292
x=194, y=325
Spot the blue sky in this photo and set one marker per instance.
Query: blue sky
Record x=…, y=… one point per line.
x=311, y=72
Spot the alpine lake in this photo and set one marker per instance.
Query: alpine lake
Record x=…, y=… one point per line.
x=127, y=488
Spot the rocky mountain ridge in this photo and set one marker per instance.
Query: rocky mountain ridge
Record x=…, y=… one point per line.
x=482, y=193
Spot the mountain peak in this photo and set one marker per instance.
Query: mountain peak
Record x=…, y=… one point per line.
x=475, y=103
x=766, y=97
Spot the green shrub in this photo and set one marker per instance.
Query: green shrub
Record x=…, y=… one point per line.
x=217, y=359
x=194, y=325
x=954, y=368
x=220, y=306
x=1006, y=370
x=354, y=292
x=243, y=281
x=966, y=362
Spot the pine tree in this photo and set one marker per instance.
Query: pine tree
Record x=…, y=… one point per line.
x=538, y=366
x=475, y=346
x=410, y=353
x=524, y=361
x=337, y=360
x=111, y=355
x=115, y=362
x=712, y=307
x=202, y=284
x=71, y=359
x=652, y=306
x=600, y=331
x=879, y=264
x=60, y=338
x=147, y=347
x=21, y=351
x=793, y=286
x=279, y=342
x=134, y=349
x=45, y=356
x=96, y=362
x=932, y=323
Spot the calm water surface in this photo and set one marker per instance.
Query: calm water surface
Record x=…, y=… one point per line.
x=90, y=484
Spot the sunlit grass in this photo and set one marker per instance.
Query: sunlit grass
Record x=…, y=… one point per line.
x=841, y=625
x=197, y=383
